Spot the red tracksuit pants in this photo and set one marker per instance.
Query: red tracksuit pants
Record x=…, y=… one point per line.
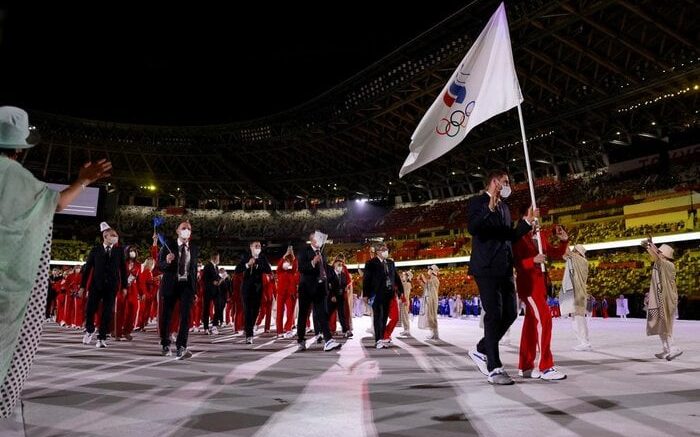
x=126, y=309
x=393, y=318
x=285, y=305
x=537, y=333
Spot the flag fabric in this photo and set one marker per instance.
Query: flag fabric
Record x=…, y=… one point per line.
x=320, y=237
x=484, y=85
x=158, y=221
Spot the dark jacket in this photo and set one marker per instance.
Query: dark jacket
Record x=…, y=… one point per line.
x=337, y=283
x=492, y=237
x=310, y=275
x=170, y=278
x=106, y=273
x=211, y=275
x=252, y=277
x=374, y=281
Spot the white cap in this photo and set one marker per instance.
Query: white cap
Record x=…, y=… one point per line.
x=104, y=226
x=666, y=251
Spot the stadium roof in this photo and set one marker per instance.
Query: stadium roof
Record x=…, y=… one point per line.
x=595, y=75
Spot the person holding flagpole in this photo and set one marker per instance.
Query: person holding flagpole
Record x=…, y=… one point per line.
x=491, y=265
x=179, y=267
x=484, y=84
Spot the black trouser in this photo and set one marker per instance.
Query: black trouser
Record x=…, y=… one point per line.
x=316, y=297
x=251, y=307
x=94, y=299
x=380, y=314
x=498, y=299
x=315, y=321
x=219, y=305
x=182, y=292
x=339, y=305
x=50, y=301
x=206, y=307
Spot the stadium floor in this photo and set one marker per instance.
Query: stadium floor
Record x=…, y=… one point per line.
x=413, y=389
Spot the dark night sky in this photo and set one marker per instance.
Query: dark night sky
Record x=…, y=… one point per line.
x=187, y=65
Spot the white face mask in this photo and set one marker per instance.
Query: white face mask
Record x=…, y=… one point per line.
x=256, y=252
x=505, y=191
x=132, y=254
x=223, y=275
x=339, y=270
x=384, y=254
x=286, y=266
x=185, y=234
x=114, y=240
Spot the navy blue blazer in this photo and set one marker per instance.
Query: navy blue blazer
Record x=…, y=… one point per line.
x=492, y=237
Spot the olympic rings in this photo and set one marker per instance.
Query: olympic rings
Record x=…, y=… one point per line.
x=458, y=119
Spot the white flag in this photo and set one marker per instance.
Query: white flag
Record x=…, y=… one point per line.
x=320, y=238
x=484, y=85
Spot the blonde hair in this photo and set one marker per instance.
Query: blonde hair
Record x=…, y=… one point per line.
x=149, y=263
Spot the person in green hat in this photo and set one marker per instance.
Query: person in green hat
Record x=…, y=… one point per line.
x=27, y=206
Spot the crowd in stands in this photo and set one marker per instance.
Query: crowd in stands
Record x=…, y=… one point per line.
x=616, y=230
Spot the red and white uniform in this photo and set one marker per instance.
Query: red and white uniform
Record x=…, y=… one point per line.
x=147, y=296
x=237, y=311
x=268, y=296
x=61, y=293
x=532, y=289
x=287, y=285
x=74, y=306
x=127, y=306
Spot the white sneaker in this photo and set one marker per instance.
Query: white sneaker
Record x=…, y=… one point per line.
x=661, y=355
x=330, y=345
x=499, y=377
x=87, y=338
x=388, y=343
x=249, y=340
x=674, y=354
x=101, y=344
x=404, y=334
x=288, y=334
x=552, y=374
x=583, y=347
x=530, y=373
x=214, y=330
x=380, y=344
x=480, y=361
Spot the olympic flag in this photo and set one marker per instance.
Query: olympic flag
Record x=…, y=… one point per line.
x=484, y=85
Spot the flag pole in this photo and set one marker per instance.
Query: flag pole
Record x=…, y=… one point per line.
x=530, y=182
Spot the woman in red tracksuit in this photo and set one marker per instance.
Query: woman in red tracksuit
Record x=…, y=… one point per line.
x=287, y=284
x=532, y=290
x=269, y=291
x=127, y=306
x=74, y=306
x=147, y=293
x=61, y=296
x=78, y=300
